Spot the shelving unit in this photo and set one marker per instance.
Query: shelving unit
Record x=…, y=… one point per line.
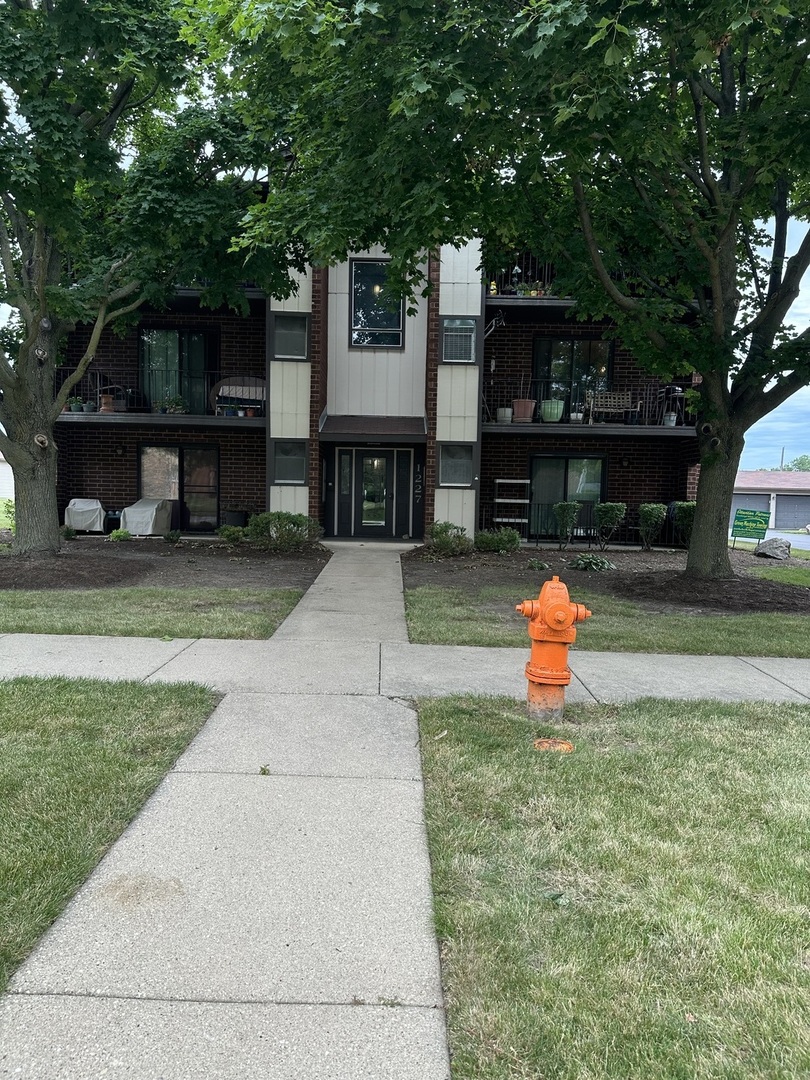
x=512, y=505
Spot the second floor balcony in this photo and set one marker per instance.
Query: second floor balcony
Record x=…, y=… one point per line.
x=516, y=402
x=168, y=393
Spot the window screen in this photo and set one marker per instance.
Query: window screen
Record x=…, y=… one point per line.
x=455, y=465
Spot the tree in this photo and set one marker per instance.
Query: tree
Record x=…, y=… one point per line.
x=657, y=152
x=112, y=189
x=798, y=464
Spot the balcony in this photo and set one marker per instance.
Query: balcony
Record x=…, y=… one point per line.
x=513, y=403
x=216, y=401
x=524, y=278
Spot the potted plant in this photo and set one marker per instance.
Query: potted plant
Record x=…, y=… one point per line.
x=551, y=410
x=232, y=515
x=89, y=406
x=75, y=404
x=523, y=407
x=174, y=403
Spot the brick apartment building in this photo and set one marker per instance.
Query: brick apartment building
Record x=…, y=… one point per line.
x=484, y=406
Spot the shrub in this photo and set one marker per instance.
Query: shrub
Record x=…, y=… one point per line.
x=117, y=535
x=587, y=560
x=651, y=518
x=446, y=539
x=683, y=514
x=231, y=534
x=280, y=531
x=607, y=516
x=498, y=540
x=68, y=533
x=10, y=511
x=566, y=514
x=172, y=536
x=538, y=564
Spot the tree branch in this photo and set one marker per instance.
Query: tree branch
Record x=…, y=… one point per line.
x=624, y=303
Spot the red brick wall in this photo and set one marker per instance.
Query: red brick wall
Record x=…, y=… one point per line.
x=101, y=461
x=637, y=469
x=319, y=356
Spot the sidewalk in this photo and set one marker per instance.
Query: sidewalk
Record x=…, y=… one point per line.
x=279, y=927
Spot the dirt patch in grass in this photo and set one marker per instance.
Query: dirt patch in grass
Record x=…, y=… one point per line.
x=94, y=563
x=652, y=579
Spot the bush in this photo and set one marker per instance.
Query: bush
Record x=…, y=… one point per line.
x=589, y=561
x=651, y=518
x=683, y=514
x=282, y=532
x=117, y=535
x=68, y=533
x=172, y=536
x=446, y=539
x=231, y=534
x=538, y=564
x=607, y=517
x=10, y=510
x=566, y=514
x=498, y=540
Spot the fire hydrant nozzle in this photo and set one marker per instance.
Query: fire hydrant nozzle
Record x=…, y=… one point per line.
x=552, y=617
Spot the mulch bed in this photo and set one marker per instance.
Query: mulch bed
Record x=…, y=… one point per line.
x=95, y=563
x=652, y=579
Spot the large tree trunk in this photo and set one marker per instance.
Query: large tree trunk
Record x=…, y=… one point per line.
x=28, y=412
x=720, y=451
x=35, y=510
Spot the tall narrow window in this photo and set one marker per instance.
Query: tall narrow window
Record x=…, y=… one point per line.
x=375, y=321
x=177, y=369
x=458, y=341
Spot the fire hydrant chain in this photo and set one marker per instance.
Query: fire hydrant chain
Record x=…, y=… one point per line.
x=551, y=627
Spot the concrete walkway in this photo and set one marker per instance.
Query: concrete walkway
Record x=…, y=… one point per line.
x=279, y=927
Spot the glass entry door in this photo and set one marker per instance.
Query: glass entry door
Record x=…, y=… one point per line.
x=374, y=493
x=189, y=477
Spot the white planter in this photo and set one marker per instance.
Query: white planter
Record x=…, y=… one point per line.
x=669, y=419
x=504, y=416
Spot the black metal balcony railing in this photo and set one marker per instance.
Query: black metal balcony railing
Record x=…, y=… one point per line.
x=521, y=276
x=555, y=401
x=168, y=392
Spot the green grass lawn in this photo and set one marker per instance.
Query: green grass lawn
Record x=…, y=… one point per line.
x=441, y=616
x=152, y=612
x=636, y=909
x=78, y=758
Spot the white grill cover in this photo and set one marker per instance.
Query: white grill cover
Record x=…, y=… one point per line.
x=148, y=517
x=86, y=515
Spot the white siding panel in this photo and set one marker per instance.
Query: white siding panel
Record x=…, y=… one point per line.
x=6, y=480
x=300, y=301
x=457, y=403
x=461, y=291
x=289, y=399
x=456, y=505
x=290, y=498
x=373, y=382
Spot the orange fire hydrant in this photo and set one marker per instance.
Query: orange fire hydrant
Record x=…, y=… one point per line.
x=551, y=627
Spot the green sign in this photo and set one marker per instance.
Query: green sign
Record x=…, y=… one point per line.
x=752, y=524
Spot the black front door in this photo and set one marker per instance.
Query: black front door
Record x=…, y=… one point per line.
x=374, y=493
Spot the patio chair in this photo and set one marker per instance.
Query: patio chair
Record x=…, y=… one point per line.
x=85, y=515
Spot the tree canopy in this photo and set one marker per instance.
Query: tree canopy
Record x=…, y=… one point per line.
x=656, y=152
x=120, y=176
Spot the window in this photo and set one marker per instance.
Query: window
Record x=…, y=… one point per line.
x=458, y=341
x=189, y=476
x=455, y=465
x=374, y=323
x=572, y=366
x=289, y=462
x=290, y=337
x=563, y=479
x=177, y=369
